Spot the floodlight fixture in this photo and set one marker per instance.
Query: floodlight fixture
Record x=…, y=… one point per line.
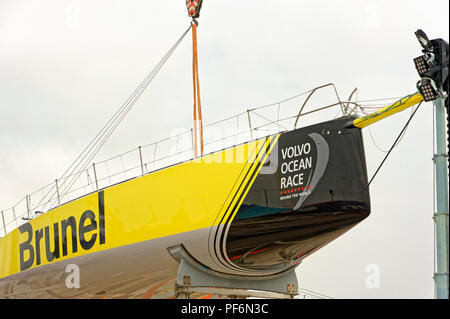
x=428, y=89
x=423, y=40
x=421, y=65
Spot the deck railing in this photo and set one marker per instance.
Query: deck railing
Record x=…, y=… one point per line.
x=252, y=124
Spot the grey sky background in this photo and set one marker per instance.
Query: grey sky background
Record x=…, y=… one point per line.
x=66, y=66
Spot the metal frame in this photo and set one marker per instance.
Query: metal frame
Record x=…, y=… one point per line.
x=312, y=92
x=193, y=277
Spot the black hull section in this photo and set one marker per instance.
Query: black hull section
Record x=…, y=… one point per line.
x=311, y=189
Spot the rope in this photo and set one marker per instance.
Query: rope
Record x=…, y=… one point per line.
x=379, y=148
x=96, y=144
x=393, y=145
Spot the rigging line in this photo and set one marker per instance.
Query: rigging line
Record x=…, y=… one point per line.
x=391, y=107
x=114, y=157
x=393, y=145
x=312, y=292
x=385, y=99
x=120, y=114
x=105, y=128
x=123, y=167
x=99, y=146
x=226, y=119
x=379, y=148
x=137, y=93
x=337, y=114
x=96, y=139
x=109, y=174
x=285, y=100
x=133, y=101
x=374, y=106
x=265, y=118
x=260, y=107
x=278, y=117
x=374, y=143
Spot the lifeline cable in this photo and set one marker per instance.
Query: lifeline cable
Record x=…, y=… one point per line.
x=393, y=145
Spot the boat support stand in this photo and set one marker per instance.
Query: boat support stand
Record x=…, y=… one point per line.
x=192, y=277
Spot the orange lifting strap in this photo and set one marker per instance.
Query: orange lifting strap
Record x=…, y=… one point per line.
x=194, y=7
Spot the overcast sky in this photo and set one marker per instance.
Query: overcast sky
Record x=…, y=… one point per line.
x=66, y=66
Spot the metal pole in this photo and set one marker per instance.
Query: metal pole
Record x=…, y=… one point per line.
x=250, y=124
x=57, y=192
x=28, y=206
x=95, y=175
x=278, y=118
x=441, y=215
x=4, y=225
x=193, y=147
x=14, y=215
x=154, y=155
x=140, y=158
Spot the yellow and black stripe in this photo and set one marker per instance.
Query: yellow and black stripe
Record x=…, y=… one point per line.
x=263, y=152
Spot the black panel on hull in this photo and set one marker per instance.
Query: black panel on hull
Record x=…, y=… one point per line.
x=317, y=192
